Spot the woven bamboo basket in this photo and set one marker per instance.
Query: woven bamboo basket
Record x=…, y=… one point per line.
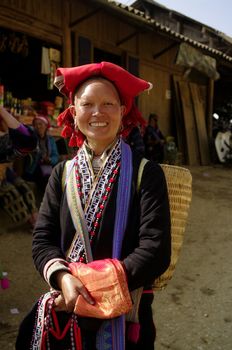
x=179, y=183
x=3, y=167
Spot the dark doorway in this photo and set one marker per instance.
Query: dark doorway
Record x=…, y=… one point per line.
x=20, y=66
x=100, y=55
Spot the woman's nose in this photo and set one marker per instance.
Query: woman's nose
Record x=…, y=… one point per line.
x=97, y=110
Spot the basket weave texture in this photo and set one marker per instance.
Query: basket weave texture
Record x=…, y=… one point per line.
x=179, y=183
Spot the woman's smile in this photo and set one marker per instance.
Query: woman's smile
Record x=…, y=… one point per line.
x=98, y=124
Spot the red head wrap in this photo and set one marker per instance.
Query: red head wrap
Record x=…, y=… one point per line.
x=128, y=86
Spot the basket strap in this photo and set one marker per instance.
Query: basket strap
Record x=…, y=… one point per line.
x=140, y=172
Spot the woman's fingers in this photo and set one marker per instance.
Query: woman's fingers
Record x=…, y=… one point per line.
x=71, y=287
x=86, y=295
x=60, y=304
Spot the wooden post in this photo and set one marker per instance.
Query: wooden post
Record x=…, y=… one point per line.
x=209, y=119
x=67, y=45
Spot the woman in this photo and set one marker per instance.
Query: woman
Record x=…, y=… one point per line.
x=154, y=140
x=41, y=161
x=103, y=176
x=16, y=141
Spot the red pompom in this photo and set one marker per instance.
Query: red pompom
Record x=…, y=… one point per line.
x=77, y=139
x=67, y=131
x=65, y=117
x=73, y=141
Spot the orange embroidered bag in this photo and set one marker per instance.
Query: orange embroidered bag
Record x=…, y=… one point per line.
x=107, y=284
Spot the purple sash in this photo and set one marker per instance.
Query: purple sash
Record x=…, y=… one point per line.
x=111, y=335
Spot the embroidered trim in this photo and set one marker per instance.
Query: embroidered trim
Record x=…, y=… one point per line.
x=94, y=192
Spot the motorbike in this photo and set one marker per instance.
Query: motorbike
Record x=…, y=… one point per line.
x=223, y=139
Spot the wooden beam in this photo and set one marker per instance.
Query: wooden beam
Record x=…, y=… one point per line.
x=128, y=37
x=21, y=22
x=164, y=50
x=190, y=124
x=67, y=45
x=199, y=112
x=209, y=119
x=83, y=18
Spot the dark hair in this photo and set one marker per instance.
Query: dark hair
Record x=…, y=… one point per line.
x=153, y=116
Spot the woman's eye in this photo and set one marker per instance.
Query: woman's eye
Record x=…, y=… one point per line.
x=85, y=104
x=108, y=103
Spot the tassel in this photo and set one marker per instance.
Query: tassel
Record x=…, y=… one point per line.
x=77, y=335
x=76, y=139
x=44, y=340
x=65, y=117
x=67, y=131
x=133, y=332
x=73, y=139
x=79, y=138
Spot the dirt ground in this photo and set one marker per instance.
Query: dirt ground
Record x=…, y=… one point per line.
x=194, y=312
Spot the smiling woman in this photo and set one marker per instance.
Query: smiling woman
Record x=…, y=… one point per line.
x=92, y=211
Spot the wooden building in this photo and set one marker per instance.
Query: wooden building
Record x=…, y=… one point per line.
x=92, y=31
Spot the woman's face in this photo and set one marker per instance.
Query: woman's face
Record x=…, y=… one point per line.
x=40, y=127
x=98, y=111
x=153, y=122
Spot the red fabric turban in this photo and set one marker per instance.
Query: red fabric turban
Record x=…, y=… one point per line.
x=128, y=86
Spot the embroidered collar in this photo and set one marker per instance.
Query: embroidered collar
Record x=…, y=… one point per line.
x=103, y=156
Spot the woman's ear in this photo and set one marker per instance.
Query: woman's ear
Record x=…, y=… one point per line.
x=123, y=110
x=72, y=110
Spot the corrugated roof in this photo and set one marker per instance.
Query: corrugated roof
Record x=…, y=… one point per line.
x=167, y=30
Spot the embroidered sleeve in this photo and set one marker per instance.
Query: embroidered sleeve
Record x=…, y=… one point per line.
x=51, y=267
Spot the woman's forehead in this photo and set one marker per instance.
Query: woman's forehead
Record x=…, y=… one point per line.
x=96, y=82
x=39, y=123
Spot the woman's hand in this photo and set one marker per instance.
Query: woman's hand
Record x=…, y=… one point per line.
x=71, y=287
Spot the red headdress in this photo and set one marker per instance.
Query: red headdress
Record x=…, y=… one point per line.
x=128, y=86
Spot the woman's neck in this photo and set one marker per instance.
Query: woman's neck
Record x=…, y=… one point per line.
x=98, y=149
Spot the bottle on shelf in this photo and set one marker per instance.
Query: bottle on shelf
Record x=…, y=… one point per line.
x=8, y=100
x=1, y=94
x=19, y=108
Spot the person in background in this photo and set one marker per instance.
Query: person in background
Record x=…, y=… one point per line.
x=154, y=140
x=39, y=163
x=119, y=218
x=135, y=140
x=16, y=141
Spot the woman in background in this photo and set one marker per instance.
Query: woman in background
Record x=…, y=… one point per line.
x=16, y=141
x=42, y=160
x=154, y=140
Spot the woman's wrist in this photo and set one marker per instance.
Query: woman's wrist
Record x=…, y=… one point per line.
x=58, y=277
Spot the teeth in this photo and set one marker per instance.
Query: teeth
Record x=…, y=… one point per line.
x=98, y=124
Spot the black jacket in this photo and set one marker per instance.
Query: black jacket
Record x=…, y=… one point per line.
x=146, y=247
